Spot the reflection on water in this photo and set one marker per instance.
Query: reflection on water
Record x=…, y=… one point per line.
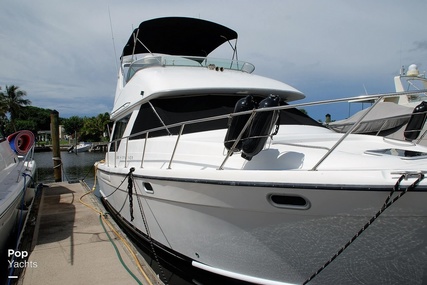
x=74, y=166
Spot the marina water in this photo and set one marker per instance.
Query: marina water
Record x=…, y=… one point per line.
x=75, y=167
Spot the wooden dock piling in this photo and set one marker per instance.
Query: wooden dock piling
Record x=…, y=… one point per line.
x=56, y=151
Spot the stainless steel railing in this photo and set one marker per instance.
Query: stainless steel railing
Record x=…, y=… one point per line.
x=376, y=98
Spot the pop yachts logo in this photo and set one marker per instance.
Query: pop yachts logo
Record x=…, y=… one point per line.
x=18, y=259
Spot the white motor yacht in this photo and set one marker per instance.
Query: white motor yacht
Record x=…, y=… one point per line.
x=210, y=165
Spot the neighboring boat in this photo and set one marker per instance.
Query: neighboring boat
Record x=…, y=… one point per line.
x=16, y=174
x=408, y=80
x=392, y=113
x=210, y=166
x=81, y=147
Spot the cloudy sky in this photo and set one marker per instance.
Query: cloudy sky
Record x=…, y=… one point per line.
x=64, y=54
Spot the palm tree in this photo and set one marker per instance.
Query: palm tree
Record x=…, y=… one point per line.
x=3, y=107
x=12, y=102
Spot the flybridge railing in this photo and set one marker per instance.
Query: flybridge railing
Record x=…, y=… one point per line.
x=377, y=98
x=187, y=61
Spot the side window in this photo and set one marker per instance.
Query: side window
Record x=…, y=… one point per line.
x=125, y=71
x=119, y=129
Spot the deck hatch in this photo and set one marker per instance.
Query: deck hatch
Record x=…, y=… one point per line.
x=404, y=154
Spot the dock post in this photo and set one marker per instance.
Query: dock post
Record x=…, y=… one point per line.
x=56, y=151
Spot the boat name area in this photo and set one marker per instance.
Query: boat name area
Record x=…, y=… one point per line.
x=17, y=259
x=123, y=157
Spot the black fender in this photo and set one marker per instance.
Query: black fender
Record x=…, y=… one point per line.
x=237, y=123
x=261, y=127
x=416, y=122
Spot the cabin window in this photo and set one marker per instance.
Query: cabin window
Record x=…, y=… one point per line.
x=125, y=71
x=168, y=111
x=119, y=130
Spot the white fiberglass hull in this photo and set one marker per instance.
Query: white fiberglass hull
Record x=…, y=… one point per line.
x=236, y=229
x=268, y=226
x=14, y=194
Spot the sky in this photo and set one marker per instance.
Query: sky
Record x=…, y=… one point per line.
x=65, y=54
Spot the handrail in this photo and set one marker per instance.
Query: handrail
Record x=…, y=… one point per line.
x=355, y=125
x=176, y=145
x=185, y=60
x=143, y=151
x=26, y=160
x=239, y=137
x=376, y=97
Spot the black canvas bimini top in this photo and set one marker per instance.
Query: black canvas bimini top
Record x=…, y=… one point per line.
x=178, y=36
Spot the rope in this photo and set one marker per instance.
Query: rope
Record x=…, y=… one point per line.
x=61, y=164
x=387, y=203
x=119, y=236
x=58, y=159
x=118, y=187
x=90, y=169
x=130, y=192
x=147, y=229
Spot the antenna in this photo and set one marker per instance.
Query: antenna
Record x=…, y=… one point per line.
x=366, y=91
x=112, y=37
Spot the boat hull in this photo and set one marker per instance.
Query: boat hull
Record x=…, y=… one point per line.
x=8, y=222
x=83, y=147
x=15, y=196
x=238, y=229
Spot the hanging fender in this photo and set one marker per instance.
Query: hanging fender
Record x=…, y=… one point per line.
x=237, y=123
x=261, y=127
x=416, y=122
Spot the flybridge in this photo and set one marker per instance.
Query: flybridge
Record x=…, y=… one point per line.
x=188, y=61
x=178, y=36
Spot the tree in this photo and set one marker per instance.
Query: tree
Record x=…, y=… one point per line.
x=94, y=127
x=73, y=125
x=12, y=102
x=35, y=114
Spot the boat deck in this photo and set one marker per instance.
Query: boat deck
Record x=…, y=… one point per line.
x=72, y=247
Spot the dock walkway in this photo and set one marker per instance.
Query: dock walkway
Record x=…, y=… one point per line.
x=72, y=247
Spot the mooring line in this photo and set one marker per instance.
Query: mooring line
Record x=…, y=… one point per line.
x=387, y=203
x=147, y=230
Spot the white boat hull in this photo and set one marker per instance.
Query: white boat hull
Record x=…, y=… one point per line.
x=14, y=195
x=82, y=147
x=233, y=226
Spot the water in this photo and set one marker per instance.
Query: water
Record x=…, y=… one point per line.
x=74, y=166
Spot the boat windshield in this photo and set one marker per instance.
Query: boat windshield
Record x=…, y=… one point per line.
x=191, y=61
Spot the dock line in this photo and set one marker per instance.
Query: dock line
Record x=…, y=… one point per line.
x=103, y=220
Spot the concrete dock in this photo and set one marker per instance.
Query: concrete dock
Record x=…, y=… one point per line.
x=70, y=245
